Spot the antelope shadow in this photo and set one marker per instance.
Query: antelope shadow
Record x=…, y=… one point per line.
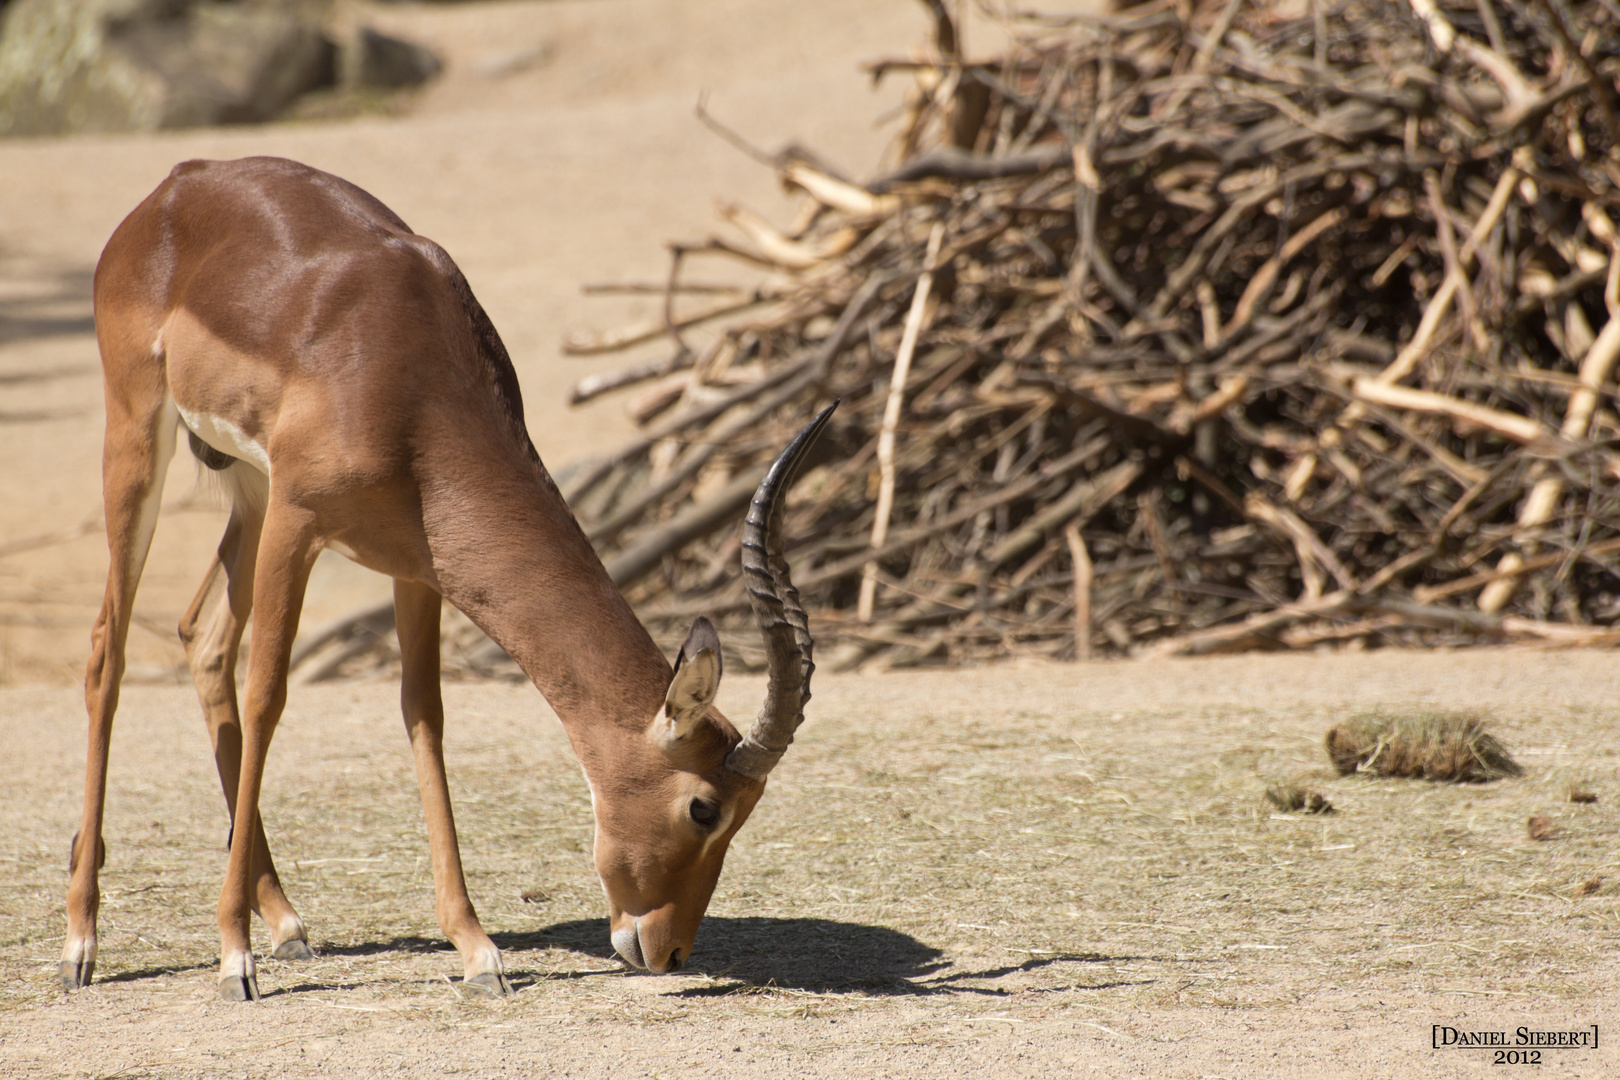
x=740, y=955
x=815, y=955
x=155, y=971
x=800, y=954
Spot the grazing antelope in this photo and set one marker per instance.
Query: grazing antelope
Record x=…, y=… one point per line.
x=337, y=372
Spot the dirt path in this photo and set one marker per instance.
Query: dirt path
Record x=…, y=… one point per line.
x=1051, y=871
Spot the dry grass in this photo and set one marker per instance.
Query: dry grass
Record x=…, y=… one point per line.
x=1425, y=745
x=966, y=852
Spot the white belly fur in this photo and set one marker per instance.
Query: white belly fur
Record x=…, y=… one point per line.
x=227, y=438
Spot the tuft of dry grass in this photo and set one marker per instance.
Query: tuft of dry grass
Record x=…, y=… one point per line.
x=1579, y=795
x=1293, y=799
x=1445, y=746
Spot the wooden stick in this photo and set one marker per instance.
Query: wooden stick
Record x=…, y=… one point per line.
x=1084, y=499
x=1538, y=507
x=1260, y=285
x=631, y=564
x=1312, y=552
x=1161, y=543
x=793, y=254
x=593, y=386
x=956, y=164
x=1082, y=591
x=836, y=193
x=696, y=458
x=1011, y=493
x=814, y=366
x=1220, y=639
x=1426, y=593
x=891, y=419
x=1521, y=429
x=590, y=343
x=1440, y=304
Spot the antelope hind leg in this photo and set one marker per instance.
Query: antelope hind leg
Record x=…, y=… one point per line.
x=141, y=429
x=287, y=550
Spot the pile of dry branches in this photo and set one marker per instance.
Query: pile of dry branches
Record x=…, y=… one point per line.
x=1213, y=328
x=1196, y=326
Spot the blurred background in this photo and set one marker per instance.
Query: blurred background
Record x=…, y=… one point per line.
x=547, y=144
x=1368, y=404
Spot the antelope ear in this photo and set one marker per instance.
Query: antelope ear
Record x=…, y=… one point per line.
x=697, y=680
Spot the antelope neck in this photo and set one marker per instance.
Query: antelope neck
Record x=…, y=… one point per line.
x=522, y=570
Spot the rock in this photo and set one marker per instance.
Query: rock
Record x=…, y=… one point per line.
x=378, y=61
x=230, y=63
x=134, y=65
x=57, y=72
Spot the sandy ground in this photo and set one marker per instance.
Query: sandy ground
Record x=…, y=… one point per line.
x=561, y=149
x=1043, y=872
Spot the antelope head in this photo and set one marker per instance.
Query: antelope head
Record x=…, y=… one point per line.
x=661, y=836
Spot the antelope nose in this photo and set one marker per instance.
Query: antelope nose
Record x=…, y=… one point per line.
x=644, y=941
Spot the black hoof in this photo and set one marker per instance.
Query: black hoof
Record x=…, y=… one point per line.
x=294, y=949
x=236, y=988
x=492, y=983
x=77, y=976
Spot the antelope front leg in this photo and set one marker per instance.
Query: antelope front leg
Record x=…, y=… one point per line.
x=286, y=553
x=212, y=633
x=416, y=614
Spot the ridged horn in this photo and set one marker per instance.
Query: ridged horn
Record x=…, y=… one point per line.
x=781, y=617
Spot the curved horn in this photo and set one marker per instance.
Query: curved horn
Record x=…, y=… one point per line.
x=781, y=618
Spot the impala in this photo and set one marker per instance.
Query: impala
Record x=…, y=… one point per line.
x=335, y=370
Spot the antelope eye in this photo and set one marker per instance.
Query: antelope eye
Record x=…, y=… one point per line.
x=705, y=813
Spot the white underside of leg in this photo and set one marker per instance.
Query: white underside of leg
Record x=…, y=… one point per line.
x=484, y=960
x=79, y=952
x=152, y=502
x=247, y=487
x=290, y=927
x=239, y=965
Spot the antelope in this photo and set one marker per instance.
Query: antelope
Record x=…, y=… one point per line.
x=336, y=371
